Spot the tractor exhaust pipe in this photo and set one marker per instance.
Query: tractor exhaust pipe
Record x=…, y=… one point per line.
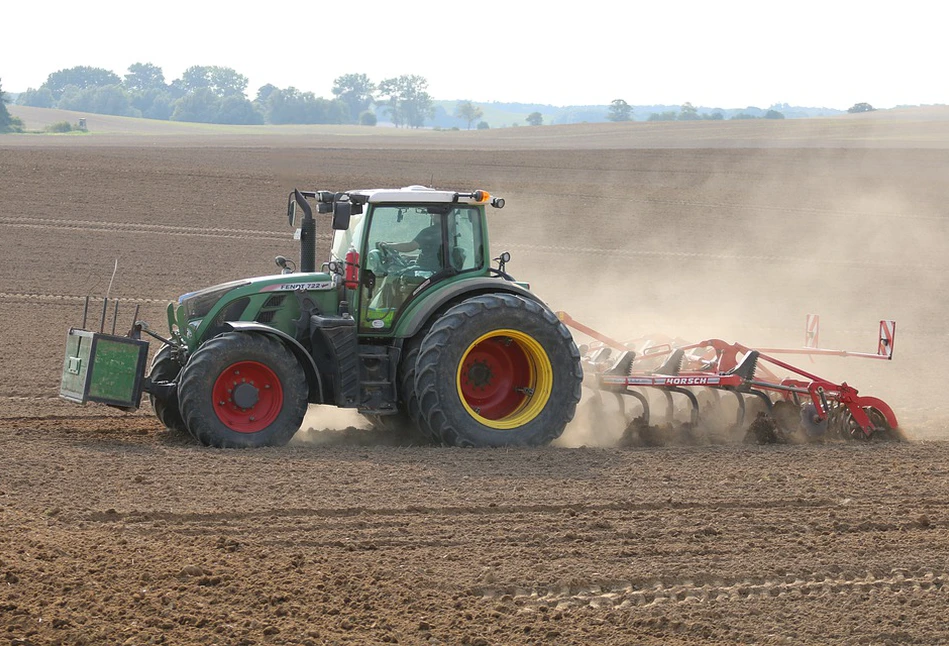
x=307, y=232
x=308, y=245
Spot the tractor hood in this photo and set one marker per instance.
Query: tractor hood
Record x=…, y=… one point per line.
x=198, y=304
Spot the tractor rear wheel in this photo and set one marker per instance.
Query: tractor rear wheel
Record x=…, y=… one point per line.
x=243, y=390
x=164, y=368
x=498, y=370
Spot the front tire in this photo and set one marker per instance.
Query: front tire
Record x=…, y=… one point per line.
x=243, y=390
x=164, y=368
x=498, y=370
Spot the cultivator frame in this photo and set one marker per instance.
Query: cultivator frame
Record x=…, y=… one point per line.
x=718, y=366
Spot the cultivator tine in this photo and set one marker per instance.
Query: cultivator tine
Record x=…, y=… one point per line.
x=740, y=418
x=693, y=401
x=670, y=409
x=643, y=401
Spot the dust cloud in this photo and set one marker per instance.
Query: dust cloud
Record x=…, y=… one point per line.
x=742, y=245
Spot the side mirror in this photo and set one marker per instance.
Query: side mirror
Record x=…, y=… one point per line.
x=297, y=199
x=342, y=212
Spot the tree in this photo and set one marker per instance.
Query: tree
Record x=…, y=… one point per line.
x=264, y=93
x=620, y=111
x=143, y=77
x=408, y=102
x=293, y=106
x=773, y=114
x=81, y=77
x=110, y=99
x=237, y=110
x=484, y=125
x=668, y=115
x=356, y=92
x=688, y=112
x=107, y=99
x=149, y=95
x=221, y=81
x=200, y=106
x=5, y=118
x=368, y=118
x=535, y=119
x=468, y=111
x=154, y=103
x=41, y=98
x=860, y=107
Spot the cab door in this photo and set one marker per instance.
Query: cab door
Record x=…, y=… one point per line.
x=408, y=250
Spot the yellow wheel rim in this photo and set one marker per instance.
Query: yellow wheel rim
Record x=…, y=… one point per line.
x=504, y=379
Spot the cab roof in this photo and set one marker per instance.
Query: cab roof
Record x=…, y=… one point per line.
x=418, y=194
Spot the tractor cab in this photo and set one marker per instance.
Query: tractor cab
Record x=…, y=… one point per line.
x=406, y=242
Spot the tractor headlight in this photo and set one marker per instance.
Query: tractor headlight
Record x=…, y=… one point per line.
x=198, y=304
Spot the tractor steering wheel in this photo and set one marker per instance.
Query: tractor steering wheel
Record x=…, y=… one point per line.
x=392, y=260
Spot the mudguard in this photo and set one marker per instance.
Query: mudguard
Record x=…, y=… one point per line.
x=313, y=378
x=416, y=319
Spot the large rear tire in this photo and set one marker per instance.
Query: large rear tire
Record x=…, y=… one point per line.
x=243, y=390
x=498, y=370
x=164, y=368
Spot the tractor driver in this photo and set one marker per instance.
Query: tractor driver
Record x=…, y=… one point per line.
x=429, y=243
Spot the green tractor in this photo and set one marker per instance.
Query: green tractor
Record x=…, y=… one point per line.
x=409, y=324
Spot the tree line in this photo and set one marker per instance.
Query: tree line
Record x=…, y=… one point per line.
x=213, y=94
x=620, y=110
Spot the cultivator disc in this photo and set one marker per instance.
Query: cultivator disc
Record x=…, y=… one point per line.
x=669, y=391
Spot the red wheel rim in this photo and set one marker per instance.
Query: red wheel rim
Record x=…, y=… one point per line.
x=493, y=376
x=248, y=397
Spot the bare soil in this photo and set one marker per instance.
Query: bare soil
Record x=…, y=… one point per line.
x=114, y=532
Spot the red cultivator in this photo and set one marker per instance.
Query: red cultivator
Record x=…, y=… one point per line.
x=799, y=405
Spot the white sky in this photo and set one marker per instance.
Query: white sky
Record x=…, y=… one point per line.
x=724, y=53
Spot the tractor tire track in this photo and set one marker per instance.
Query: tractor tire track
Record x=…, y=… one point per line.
x=630, y=594
x=68, y=298
x=131, y=227
x=363, y=513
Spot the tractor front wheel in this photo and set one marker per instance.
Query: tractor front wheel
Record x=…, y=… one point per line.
x=243, y=390
x=164, y=368
x=498, y=370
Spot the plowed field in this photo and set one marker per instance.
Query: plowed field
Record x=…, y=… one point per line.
x=114, y=532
